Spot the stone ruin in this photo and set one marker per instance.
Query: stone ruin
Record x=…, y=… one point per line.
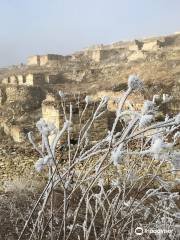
x=49, y=59
x=31, y=79
x=52, y=112
x=99, y=52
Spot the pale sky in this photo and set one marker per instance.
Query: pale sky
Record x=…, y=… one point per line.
x=30, y=27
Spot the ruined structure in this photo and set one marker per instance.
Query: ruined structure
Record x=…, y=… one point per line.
x=153, y=45
x=98, y=55
x=14, y=131
x=96, y=71
x=49, y=59
x=52, y=112
x=31, y=79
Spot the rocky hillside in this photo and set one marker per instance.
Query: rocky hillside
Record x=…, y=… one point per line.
x=155, y=60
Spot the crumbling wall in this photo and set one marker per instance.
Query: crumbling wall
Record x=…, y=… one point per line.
x=35, y=79
x=13, y=79
x=151, y=45
x=42, y=60
x=21, y=79
x=6, y=80
x=17, y=133
x=98, y=55
x=33, y=60
x=53, y=113
x=29, y=97
x=52, y=78
x=14, y=131
x=134, y=100
x=139, y=55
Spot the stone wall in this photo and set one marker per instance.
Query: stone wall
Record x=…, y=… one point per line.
x=33, y=60
x=50, y=59
x=139, y=55
x=98, y=55
x=30, y=79
x=52, y=78
x=52, y=112
x=23, y=95
x=14, y=131
x=35, y=79
x=151, y=45
x=134, y=100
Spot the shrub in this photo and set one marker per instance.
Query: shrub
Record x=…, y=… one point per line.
x=116, y=188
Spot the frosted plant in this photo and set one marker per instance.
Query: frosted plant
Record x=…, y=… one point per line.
x=39, y=165
x=145, y=120
x=117, y=155
x=105, y=99
x=134, y=82
x=175, y=161
x=61, y=94
x=177, y=119
x=176, y=137
x=111, y=185
x=148, y=107
x=42, y=162
x=88, y=99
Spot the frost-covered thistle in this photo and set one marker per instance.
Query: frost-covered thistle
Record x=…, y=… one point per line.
x=61, y=94
x=117, y=155
x=159, y=147
x=147, y=113
x=105, y=99
x=131, y=150
x=39, y=165
x=42, y=162
x=177, y=119
x=134, y=83
x=175, y=161
x=45, y=128
x=145, y=120
x=88, y=99
x=148, y=107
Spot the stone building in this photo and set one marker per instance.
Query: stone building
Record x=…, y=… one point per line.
x=21, y=79
x=33, y=79
x=50, y=59
x=13, y=79
x=98, y=55
x=33, y=60
x=152, y=45
x=14, y=131
x=52, y=112
x=134, y=100
x=6, y=80
x=52, y=78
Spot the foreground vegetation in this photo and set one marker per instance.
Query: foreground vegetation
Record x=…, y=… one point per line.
x=119, y=187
